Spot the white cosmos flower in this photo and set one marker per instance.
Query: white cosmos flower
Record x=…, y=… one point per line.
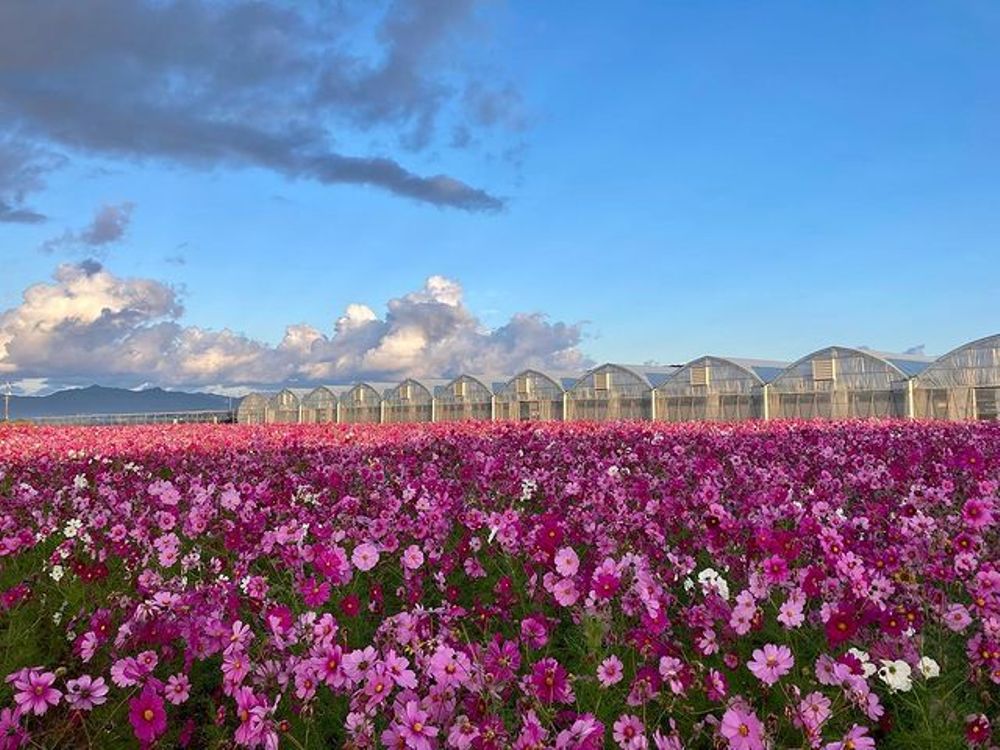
x=928, y=667
x=896, y=674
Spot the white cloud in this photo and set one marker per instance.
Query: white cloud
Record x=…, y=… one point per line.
x=90, y=325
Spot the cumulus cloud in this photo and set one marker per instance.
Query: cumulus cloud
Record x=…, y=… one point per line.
x=88, y=325
x=257, y=83
x=108, y=226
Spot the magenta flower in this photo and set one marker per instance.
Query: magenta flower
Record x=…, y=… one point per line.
x=12, y=734
x=549, y=680
x=450, y=667
x=412, y=725
x=315, y=593
x=771, y=663
x=34, y=692
x=630, y=733
x=85, y=692
x=610, y=671
x=178, y=689
x=742, y=729
x=146, y=714
x=856, y=739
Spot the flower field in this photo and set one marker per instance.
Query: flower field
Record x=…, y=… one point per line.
x=501, y=586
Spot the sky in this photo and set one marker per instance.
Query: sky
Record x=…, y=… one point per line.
x=231, y=193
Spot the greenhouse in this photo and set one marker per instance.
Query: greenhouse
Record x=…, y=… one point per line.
x=361, y=404
x=463, y=399
x=840, y=382
x=530, y=395
x=716, y=389
x=962, y=384
x=612, y=391
x=319, y=406
x=253, y=408
x=410, y=401
x=284, y=407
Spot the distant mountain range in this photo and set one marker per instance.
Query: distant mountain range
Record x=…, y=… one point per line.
x=97, y=399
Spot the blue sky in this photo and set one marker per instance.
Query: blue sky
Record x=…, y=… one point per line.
x=681, y=178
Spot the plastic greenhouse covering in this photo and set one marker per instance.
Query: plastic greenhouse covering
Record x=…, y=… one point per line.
x=284, y=407
x=253, y=408
x=840, y=383
x=612, y=392
x=361, y=404
x=962, y=384
x=410, y=401
x=319, y=405
x=530, y=395
x=464, y=398
x=715, y=389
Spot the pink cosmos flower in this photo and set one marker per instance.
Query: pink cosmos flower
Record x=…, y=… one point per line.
x=412, y=725
x=567, y=562
x=399, y=668
x=630, y=733
x=978, y=513
x=413, y=557
x=85, y=692
x=565, y=592
x=586, y=733
x=450, y=667
x=315, y=593
x=957, y=618
x=550, y=683
x=126, y=672
x=235, y=667
x=672, y=671
x=790, y=613
x=606, y=580
x=328, y=663
x=34, y=692
x=856, y=739
x=771, y=663
x=178, y=688
x=775, y=569
x=356, y=663
x=12, y=734
x=365, y=556
x=814, y=710
x=534, y=631
x=742, y=729
x=146, y=714
x=610, y=671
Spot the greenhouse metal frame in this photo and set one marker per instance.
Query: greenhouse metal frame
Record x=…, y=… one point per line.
x=410, y=401
x=613, y=392
x=962, y=384
x=361, y=404
x=284, y=407
x=530, y=396
x=319, y=406
x=716, y=389
x=841, y=382
x=463, y=399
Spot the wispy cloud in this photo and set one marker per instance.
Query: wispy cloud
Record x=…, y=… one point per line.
x=108, y=226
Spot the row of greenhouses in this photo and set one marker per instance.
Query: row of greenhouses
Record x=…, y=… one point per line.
x=836, y=382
